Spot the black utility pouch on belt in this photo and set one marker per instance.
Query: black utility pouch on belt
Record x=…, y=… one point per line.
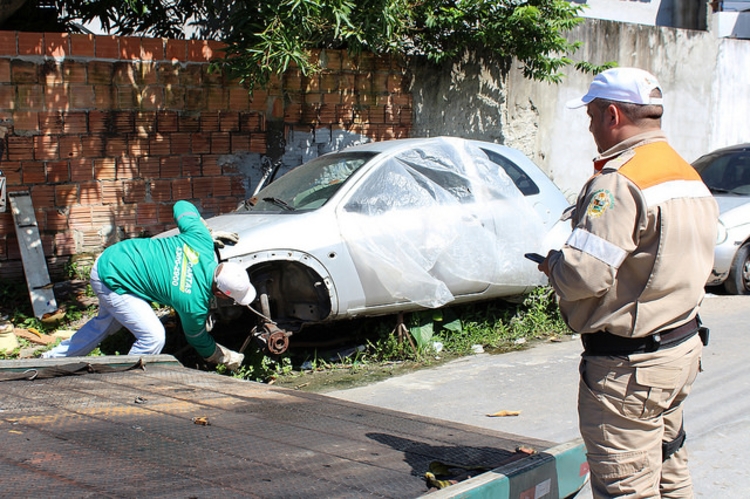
x=702, y=332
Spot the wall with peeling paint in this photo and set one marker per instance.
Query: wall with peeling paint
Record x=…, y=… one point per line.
x=706, y=81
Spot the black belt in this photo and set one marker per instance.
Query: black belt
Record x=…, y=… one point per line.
x=604, y=343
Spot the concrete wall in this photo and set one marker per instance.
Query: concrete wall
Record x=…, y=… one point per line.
x=684, y=61
x=706, y=81
x=730, y=104
x=464, y=99
x=689, y=14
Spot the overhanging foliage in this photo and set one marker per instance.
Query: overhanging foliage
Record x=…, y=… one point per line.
x=266, y=38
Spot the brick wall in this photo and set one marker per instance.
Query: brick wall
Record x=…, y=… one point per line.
x=106, y=132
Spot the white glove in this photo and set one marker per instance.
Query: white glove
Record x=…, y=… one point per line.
x=230, y=358
x=222, y=238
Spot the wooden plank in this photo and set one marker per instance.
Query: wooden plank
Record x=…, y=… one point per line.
x=32, y=254
x=2, y=193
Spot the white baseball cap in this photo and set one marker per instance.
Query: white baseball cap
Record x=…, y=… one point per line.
x=631, y=85
x=232, y=280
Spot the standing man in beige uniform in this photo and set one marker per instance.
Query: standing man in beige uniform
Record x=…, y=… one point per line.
x=630, y=280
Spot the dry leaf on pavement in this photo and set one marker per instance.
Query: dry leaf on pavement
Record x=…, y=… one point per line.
x=503, y=414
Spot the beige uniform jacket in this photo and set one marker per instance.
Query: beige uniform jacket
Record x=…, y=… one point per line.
x=642, y=246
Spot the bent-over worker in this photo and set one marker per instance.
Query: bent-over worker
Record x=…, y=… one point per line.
x=181, y=272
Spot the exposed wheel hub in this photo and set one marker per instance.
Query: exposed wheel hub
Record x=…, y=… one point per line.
x=272, y=340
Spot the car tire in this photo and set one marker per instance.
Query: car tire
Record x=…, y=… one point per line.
x=738, y=281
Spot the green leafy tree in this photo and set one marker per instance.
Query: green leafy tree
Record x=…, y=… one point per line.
x=266, y=38
x=530, y=31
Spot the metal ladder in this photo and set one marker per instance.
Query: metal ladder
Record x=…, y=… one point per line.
x=32, y=254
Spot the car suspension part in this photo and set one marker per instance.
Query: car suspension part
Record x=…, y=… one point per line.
x=271, y=339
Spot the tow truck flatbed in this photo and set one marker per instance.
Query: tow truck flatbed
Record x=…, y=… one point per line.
x=160, y=429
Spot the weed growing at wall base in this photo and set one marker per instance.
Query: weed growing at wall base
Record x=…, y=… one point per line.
x=377, y=350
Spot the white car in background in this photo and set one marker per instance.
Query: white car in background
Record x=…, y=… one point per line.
x=726, y=172
x=392, y=227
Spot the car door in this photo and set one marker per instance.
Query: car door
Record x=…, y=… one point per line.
x=525, y=219
x=416, y=231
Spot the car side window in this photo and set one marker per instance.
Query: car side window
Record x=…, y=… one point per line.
x=386, y=189
x=455, y=184
x=524, y=183
x=403, y=184
x=739, y=169
x=726, y=172
x=414, y=178
x=713, y=173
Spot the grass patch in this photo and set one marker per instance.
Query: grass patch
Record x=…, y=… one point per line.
x=344, y=353
x=374, y=351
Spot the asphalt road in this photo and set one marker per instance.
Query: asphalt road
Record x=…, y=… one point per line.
x=542, y=383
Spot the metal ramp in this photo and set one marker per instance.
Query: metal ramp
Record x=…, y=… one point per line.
x=160, y=430
x=32, y=254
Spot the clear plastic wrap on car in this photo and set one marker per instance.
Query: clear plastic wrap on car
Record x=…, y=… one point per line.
x=450, y=216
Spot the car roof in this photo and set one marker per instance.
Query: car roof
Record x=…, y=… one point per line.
x=736, y=147
x=397, y=144
x=386, y=145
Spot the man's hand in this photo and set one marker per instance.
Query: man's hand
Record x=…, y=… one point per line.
x=222, y=238
x=544, y=266
x=222, y=355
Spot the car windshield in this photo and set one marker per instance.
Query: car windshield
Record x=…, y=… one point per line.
x=726, y=172
x=309, y=186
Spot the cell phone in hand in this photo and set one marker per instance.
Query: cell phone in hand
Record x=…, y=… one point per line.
x=535, y=257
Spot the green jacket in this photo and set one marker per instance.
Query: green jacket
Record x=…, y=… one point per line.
x=176, y=271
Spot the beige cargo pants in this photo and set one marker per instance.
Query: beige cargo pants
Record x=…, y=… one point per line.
x=628, y=406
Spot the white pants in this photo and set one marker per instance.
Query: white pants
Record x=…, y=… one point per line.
x=115, y=311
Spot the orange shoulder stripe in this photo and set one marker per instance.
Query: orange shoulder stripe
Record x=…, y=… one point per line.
x=655, y=164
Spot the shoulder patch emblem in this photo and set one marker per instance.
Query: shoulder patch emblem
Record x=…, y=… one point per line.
x=601, y=201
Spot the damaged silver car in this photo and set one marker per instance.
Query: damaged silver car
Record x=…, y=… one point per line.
x=392, y=227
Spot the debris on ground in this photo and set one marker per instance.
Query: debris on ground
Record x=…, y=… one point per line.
x=504, y=414
x=53, y=318
x=63, y=333
x=525, y=450
x=442, y=475
x=8, y=341
x=33, y=336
